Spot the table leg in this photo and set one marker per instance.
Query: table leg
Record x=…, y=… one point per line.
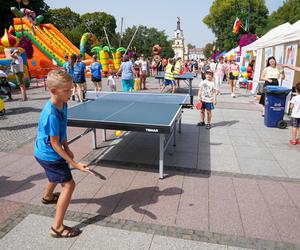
x=104, y=135
x=161, y=155
x=179, y=125
x=174, y=135
x=94, y=138
x=191, y=91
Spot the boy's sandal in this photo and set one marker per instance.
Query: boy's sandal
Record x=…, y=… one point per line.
x=200, y=124
x=293, y=142
x=54, y=199
x=69, y=232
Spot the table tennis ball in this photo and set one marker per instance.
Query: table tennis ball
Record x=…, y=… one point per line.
x=118, y=133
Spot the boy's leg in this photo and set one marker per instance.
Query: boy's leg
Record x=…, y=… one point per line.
x=209, y=115
x=62, y=204
x=202, y=115
x=294, y=133
x=48, y=195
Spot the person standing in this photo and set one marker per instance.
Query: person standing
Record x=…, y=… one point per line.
x=219, y=74
x=234, y=70
x=295, y=116
x=144, y=71
x=96, y=71
x=271, y=74
x=207, y=95
x=17, y=67
x=127, y=71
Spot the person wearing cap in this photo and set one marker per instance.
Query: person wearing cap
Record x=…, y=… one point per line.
x=207, y=95
x=17, y=67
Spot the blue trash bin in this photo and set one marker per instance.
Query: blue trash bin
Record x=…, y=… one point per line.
x=275, y=106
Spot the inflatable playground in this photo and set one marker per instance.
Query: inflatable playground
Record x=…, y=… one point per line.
x=43, y=47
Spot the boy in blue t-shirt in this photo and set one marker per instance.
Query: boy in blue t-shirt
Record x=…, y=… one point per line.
x=96, y=70
x=52, y=152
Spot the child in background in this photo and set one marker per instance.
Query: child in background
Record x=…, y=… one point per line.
x=111, y=82
x=96, y=70
x=207, y=95
x=169, y=76
x=295, y=116
x=52, y=152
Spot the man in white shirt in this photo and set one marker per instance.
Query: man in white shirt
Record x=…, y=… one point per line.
x=17, y=66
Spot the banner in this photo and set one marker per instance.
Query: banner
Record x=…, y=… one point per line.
x=268, y=53
x=290, y=58
x=279, y=54
x=257, y=70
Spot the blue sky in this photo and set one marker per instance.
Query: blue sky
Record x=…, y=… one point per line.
x=160, y=14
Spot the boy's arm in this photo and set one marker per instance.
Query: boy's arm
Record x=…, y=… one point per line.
x=67, y=149
x=57, y=146
x=199, y=93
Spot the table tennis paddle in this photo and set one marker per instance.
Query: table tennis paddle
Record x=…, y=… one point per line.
x=102, y=177
x=199, y=105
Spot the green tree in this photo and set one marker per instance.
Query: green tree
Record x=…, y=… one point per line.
x=288, y=12
x=63, y=18
x=208, y=50
x=96, y=21
x=39, y=6
x=222, y=15
x=191, y=46
x=145, y=39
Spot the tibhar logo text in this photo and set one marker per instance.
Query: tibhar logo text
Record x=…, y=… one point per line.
x=153, y=130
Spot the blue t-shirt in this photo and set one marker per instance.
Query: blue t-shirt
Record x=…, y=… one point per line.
x=53, y=122
x=83, y=68
x=127, y=73
x=96, y=69
x=66, y=66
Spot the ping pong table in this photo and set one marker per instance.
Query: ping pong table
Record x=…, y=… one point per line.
x=140, y=112
x=186, y=77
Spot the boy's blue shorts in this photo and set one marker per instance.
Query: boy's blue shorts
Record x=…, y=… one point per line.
x=169, y=82
x=127, y=85
x=56, y=171
x=208, y=105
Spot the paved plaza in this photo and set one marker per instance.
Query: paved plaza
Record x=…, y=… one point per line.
x=235, y=186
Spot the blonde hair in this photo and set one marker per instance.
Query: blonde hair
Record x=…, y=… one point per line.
x=57, y=78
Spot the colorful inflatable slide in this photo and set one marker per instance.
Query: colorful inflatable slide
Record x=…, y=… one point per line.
x=49, y=44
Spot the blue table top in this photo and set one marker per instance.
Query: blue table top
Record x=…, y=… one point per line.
x=185, y=76
x=129, y=108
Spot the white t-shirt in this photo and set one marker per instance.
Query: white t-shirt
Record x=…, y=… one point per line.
x=207, y=93
x=144, y=65
x=296, y=109
x=111, y=81
x=271, y=72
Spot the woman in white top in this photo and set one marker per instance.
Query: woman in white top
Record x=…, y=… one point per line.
x=271, y=74
x=144, y=71
x=219, y=74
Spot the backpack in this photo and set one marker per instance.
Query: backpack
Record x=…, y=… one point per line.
x=77, y=75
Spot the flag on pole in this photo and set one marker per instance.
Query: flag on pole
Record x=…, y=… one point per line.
x=247, y=26
x=236, y=25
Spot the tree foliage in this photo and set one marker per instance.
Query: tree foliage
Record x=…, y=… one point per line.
x=63, y=18
x=288, y=12
x=145, y=39
x=96, y=21
x=208, y=50
x=39, y=6
x=222, y=15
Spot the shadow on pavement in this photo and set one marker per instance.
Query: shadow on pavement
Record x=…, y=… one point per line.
x=22, y=110
x=135, y=198
x=8, y=187
x=18, y=127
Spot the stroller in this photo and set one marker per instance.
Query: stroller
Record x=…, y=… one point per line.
x=5, y=91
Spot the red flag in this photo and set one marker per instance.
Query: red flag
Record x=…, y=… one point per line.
x=236, y=25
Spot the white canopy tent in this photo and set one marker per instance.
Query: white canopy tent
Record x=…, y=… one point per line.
x=265, y=39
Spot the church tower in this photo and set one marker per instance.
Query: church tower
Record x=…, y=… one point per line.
x=178, y=41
